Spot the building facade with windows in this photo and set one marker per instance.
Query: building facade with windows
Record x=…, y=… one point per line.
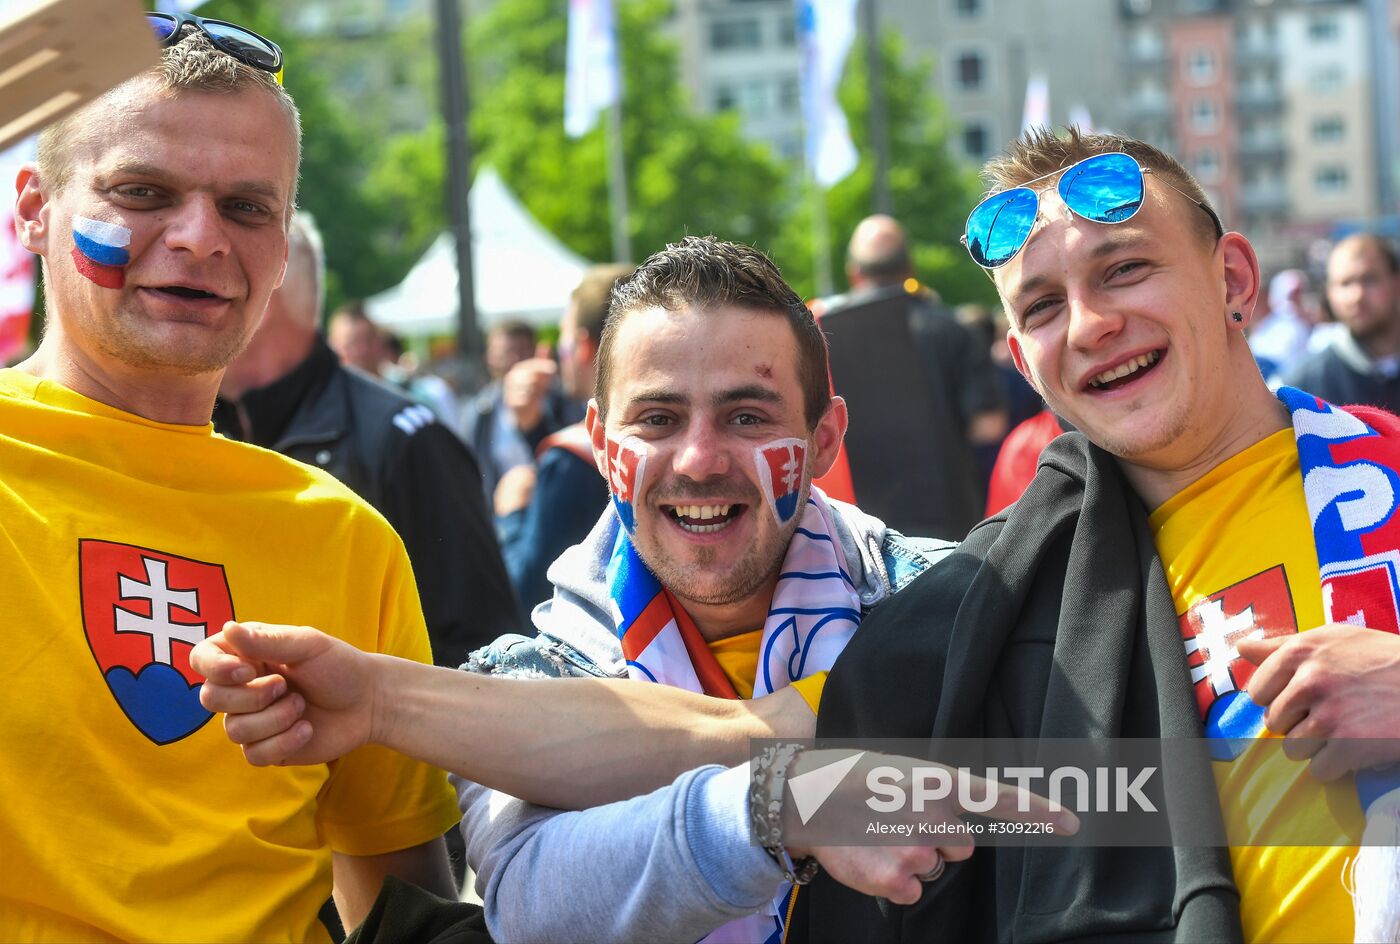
x=1273, y=107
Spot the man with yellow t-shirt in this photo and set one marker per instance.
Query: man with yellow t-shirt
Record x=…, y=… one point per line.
x=131, y=532
x=1128, y=304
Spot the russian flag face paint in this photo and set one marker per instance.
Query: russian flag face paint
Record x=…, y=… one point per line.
x=780, y=464
x=100, y=251
x=627, y=465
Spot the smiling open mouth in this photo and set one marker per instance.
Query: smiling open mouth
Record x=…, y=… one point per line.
x=1127, y=372
x=184, y=291
x=704, y=519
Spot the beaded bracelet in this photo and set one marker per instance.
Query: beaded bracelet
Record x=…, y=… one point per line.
x=766, y=810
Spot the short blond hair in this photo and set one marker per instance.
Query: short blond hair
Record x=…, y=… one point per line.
x=1041, y=152
x=192, y=64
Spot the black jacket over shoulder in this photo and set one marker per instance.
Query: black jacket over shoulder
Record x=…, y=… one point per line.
x=395, y=455
x=1053, y=619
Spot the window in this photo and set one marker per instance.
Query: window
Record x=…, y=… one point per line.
x=1207, y=166
x=1332, y=178
x=735, y=34
x=1201, y=66
x=969, y=70
x=968, y=8
x=1205, y=115
x=725, y=97
x=1323, y=28
x=787, y=30
x=1145, y=43
x=754, y=97
x=1328, y=130
x=789, y=94
x=1326, y=80
x=976, y=140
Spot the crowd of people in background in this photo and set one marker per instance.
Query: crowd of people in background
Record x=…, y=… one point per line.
x=863, y=516
x=1340, y=340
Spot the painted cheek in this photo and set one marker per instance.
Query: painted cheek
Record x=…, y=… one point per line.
x=627, y=466
x=780, y=464
x=100, y=251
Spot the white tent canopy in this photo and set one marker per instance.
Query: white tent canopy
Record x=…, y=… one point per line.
x=519, y=270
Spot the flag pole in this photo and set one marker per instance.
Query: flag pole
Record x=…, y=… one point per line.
x=875, y=91
x=821, y=239
x=459, y=163
x=617, y=183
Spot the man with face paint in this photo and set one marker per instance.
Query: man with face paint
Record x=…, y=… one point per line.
x=718, y=569
x=130, y=531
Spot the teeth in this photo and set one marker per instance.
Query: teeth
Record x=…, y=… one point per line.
x=1124, y=369
x=685, y=514
x=702, y=512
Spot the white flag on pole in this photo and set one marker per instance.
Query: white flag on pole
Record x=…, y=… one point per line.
x=590, y=70
x=16, y=263
x=825, y=30
x=1037, y=110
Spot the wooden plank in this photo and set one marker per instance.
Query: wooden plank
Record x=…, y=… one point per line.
x=56, y=55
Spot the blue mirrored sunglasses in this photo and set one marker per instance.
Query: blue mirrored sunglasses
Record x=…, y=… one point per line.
x=1105, y=188
x=231, y=39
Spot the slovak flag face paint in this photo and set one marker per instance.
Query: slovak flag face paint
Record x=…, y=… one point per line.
x=100, y=251
x=627, y=465
x=780, y=464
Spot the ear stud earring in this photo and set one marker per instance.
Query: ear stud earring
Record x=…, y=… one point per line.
x=1239, y=318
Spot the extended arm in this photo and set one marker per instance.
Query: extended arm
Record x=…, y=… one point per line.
x=679, y=863
x=299, y=696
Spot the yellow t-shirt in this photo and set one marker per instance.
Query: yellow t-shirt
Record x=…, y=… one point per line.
x=738, y=657
x=1238, y=550
x=128, y=814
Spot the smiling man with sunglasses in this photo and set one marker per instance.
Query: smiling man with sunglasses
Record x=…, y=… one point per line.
x=130, y=532
x=1161, y=577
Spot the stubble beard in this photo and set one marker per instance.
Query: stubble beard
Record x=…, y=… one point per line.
x=758, y=564
x=138, y=344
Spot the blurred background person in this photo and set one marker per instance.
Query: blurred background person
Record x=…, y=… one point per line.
x=1279, y=340
x=357, y=340
x=543, y=509
x=288, y=392
x=989, y=325
x=911, y=456
x=509, y=418
x=878, y=264
x=1360, y=364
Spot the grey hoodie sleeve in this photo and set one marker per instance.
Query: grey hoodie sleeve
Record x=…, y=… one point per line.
x=672, y=865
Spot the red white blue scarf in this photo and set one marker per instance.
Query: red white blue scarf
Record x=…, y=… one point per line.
x=814, y=612
x=1349, y=461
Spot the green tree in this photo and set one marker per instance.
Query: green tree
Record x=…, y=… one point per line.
x=687, y=173
x=932, y=191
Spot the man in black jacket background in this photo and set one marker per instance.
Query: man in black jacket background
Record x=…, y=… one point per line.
x=289, y=392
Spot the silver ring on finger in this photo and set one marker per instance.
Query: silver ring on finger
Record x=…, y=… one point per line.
x=933, y=874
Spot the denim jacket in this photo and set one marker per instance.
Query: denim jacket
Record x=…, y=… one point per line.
x=680, y=861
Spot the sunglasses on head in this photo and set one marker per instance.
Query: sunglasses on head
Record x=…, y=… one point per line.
x=229, y=38
x=1105, y=188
